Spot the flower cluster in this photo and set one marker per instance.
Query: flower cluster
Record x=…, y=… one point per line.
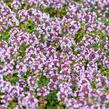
x=54, y=54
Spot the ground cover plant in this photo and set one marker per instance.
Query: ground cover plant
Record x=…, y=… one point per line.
x=54, y=54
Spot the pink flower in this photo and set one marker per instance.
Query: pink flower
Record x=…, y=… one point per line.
x=30, y=102
x=21, y=67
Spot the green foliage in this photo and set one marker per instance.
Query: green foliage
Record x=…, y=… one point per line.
x=51, y=100
x=8, y=2
x=43, y=81
x=107, y=15
x=63, y=107
x=43, y=38
x=77, y=1
x=63, y=32
x=85, y=65
x=28, y=26
x=106, y=23
x=75, y=52
x=22, y=50
x=13, y=79
x=93, y=9
x=1, y=93
x=26, y=75
x=80, y=34
x=25, y=6
x=93, y=84
x=55, y=12
x=102, y=36
x=107, y=53
x=74, y=88
x=97, y=46
x=4, y=36
x=58, y=48
x=107, y=104
x=14, y=66
x=107, y=90
x=22, y=47
x=12, y=104
x=21, y=53
x=104, y=70
x=1, y=62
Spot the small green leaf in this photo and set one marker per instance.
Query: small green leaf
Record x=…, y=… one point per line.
x=93, y=84
x=75, y=52
x=13, y=79
x=55, y=12
x=58, y=48
x=63, y=107
x=74, y=88
x=43, y=38
x=28, y=26
x=4, y=36
x=25, y=6
x=102, y=36
x=97, y=46
x=103, y=70
x=51, y=100
x=107, y=104
x=80, y=33
x=22, y=50
x=1, y=62
x=12, y=104
x=106, y=23
x=105, y=73
x=26, y=75
x=76, y=1
x=23, y=47
x=43, y=81
x=107, y=53
x=86, y=62
x=8, y=2
x=93, y=9
x=107, y=15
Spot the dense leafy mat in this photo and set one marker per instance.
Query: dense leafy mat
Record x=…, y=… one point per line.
x=54, y=54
